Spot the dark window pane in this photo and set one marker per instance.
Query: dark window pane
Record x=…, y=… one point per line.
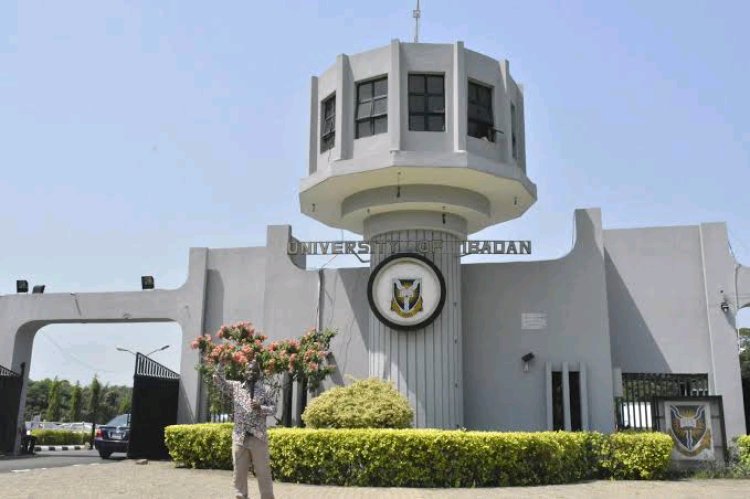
x=365, y=92
x=330, y=108
x=416, y=104
x=435, y=85
x=380, y=106
x=381, y=125
x=558, y=414
x=436, y=104
x=364, y=128
x=364, y=110
x=416, y=84
x=436, y=123
x=381, y=87
x=328, y=124
x=327, y=143
x=416, y=123
x=481, y=131
x=485, y=97
x=575, y=400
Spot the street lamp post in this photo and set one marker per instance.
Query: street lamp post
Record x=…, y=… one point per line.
x=152, y=351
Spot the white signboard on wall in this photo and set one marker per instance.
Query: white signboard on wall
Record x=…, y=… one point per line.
x=533, y=321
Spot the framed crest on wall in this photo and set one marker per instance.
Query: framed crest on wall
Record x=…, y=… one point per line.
x=406, y=291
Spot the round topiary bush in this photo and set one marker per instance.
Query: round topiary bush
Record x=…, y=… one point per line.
x=367, y=403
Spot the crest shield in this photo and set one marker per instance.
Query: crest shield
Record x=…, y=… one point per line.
x=407, y=296
x=690, y=429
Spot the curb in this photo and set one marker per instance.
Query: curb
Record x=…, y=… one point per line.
x=60, y=447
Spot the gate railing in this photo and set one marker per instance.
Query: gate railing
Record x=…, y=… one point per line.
x=145, y=366
x=634, y=410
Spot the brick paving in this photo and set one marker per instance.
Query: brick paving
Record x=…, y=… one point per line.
x=163, y=480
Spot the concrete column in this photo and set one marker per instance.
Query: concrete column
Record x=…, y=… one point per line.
x=566, y=394
x=425, y=364
x=548, y=392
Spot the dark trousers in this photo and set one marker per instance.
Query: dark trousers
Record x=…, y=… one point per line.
x=28, y=442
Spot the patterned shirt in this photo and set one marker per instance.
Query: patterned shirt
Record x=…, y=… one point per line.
x=246, y=420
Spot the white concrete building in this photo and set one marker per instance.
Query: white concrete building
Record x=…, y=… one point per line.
x=423, y=145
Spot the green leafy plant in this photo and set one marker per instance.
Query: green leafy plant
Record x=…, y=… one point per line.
x=743, y=448
x=368, y=403
x=60, y=437
x=636, y=456
x=431, y=458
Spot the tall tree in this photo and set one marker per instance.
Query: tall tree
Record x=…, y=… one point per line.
x=75, y=403
x=53, y=404
x=95, y=390
x=94, y=402
x=124, y=407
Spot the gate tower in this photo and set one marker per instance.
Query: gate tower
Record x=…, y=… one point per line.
x=412, y=142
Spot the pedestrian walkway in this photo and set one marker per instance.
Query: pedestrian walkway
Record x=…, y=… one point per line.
x=163, y=480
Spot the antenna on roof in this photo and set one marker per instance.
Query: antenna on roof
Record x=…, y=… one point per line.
x=416, y=13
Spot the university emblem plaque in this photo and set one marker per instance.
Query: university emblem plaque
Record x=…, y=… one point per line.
x=406, y=291
x=689, y=425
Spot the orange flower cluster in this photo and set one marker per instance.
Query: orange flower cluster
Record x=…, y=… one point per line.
x=305, y=358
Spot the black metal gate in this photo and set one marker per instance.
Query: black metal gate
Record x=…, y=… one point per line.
x=154, y=407
x=10, y=401
x=634, y=410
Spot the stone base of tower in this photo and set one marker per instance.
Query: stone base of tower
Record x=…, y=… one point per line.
x=424, y=364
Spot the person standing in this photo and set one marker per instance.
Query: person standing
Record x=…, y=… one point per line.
x=253, y=403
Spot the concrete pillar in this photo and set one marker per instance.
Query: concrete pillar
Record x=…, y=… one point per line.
x=425, y=364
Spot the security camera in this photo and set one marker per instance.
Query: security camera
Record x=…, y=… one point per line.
x=528, y=357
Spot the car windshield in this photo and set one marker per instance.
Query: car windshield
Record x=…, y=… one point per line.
x=121, y=420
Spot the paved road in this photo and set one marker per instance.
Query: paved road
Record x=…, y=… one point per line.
x=160, y=480
x=55, y=459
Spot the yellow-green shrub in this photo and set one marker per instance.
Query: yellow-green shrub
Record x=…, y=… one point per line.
x=431, y=458
x=367, y=403
x=636, y=456
x=61, y=437
x=743, y=445
x=206, y=445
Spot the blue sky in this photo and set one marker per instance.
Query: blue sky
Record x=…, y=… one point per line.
x=131, y=131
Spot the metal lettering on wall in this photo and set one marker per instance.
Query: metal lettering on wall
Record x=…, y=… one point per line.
x=420, y=246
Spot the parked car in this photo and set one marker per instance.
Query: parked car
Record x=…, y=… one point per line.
x=113, y=436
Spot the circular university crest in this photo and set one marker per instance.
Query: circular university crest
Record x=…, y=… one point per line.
x=406, y=291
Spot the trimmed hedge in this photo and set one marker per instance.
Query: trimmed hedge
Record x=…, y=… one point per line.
x=367, y=403
x=207, y=445
x=432, y=458
x=743, y=445
x=61, y=437
x=636, y=456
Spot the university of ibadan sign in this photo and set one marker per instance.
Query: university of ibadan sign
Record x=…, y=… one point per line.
x=423, y=246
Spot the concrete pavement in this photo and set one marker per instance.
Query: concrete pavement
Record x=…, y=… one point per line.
x=162, y=480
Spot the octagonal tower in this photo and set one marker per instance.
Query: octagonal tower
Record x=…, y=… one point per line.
x=412, y=142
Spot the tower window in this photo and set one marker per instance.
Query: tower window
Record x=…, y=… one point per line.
x=426, y=103
x=328, y=123
x=513, y=130
x=372, y=107
x=481, y=118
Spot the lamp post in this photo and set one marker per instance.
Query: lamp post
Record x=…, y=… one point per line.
x=152, y=351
